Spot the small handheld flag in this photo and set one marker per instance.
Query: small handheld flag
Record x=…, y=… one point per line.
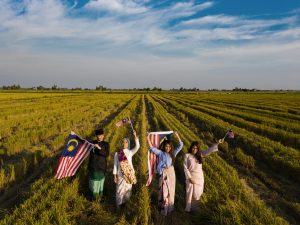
x=75, y=151
x=157, y=138
x=229, y=134
x=123, y=122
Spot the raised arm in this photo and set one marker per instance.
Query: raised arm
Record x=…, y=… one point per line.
x=179, y=147
x=155, y=151
x=152, y=148
x=136, y=147
x=137, y=144
x=149, y=141
x=213, y=148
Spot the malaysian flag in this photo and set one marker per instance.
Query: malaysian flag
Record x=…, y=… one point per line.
x=74, y=153
x=122, y=122
x=229, y=134
x=157, y=139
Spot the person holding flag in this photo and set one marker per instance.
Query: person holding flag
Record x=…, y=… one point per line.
x=165, y=168
x=98, y=164
x=192, y=165
x=123, y=171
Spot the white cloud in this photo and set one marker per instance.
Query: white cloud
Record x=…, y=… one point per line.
x=292, y=33
x=207, y=35
x=222, y=27
x=120, y=6
x=142, y=42
x=47, y=19
x=238, y=21
x=209, y=20
x=190, y=6
x=183, y=9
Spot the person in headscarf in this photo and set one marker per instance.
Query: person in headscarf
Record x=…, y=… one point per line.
x=123, y=171
x=98, y=164
x=192, y=165
x=165, y=168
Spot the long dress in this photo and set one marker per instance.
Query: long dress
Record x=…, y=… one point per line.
x=166, y=192
x=167, y=179
x=193, y=169
x=123, y=189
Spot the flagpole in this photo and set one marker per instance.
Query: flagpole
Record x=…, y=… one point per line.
x=131, y=124
x=225, y=135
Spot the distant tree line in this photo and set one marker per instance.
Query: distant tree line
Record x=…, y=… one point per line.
x=13, y=87
x=103, y=88
x=185, y=89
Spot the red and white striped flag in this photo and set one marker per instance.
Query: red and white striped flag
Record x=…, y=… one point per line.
x=156, y=139
x=74, y=153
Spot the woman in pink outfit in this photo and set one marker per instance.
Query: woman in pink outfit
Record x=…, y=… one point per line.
x=193, y=173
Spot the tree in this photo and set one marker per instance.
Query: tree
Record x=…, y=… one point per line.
x=101, y=88
x=55, y=87
x=13, y=87
x=40, y=87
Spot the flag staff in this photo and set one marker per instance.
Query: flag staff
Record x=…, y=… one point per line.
x=130, y=123
x=225, y=135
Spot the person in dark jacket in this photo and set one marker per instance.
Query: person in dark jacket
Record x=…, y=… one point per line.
x=97, y=164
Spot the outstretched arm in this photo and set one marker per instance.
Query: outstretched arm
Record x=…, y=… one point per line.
x=179, y=147
x=213, y=148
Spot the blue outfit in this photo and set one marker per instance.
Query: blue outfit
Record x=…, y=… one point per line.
x=165, y=160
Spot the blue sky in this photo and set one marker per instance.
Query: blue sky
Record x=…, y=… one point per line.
x=146, y=43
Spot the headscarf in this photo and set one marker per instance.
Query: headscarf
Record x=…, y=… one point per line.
x=127, y=139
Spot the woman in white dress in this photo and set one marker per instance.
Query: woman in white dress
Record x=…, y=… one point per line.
x=124, y=174
x=193, y=173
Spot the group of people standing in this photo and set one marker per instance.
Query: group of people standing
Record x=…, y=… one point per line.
x=124, y=173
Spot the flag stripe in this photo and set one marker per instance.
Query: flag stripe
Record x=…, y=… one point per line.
x=81, y=157
x=65, y=166
x=60, y=172
x=76, y=160
x=84, y=153
x=73, y=161
x=58, y=167
x=61, y=167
